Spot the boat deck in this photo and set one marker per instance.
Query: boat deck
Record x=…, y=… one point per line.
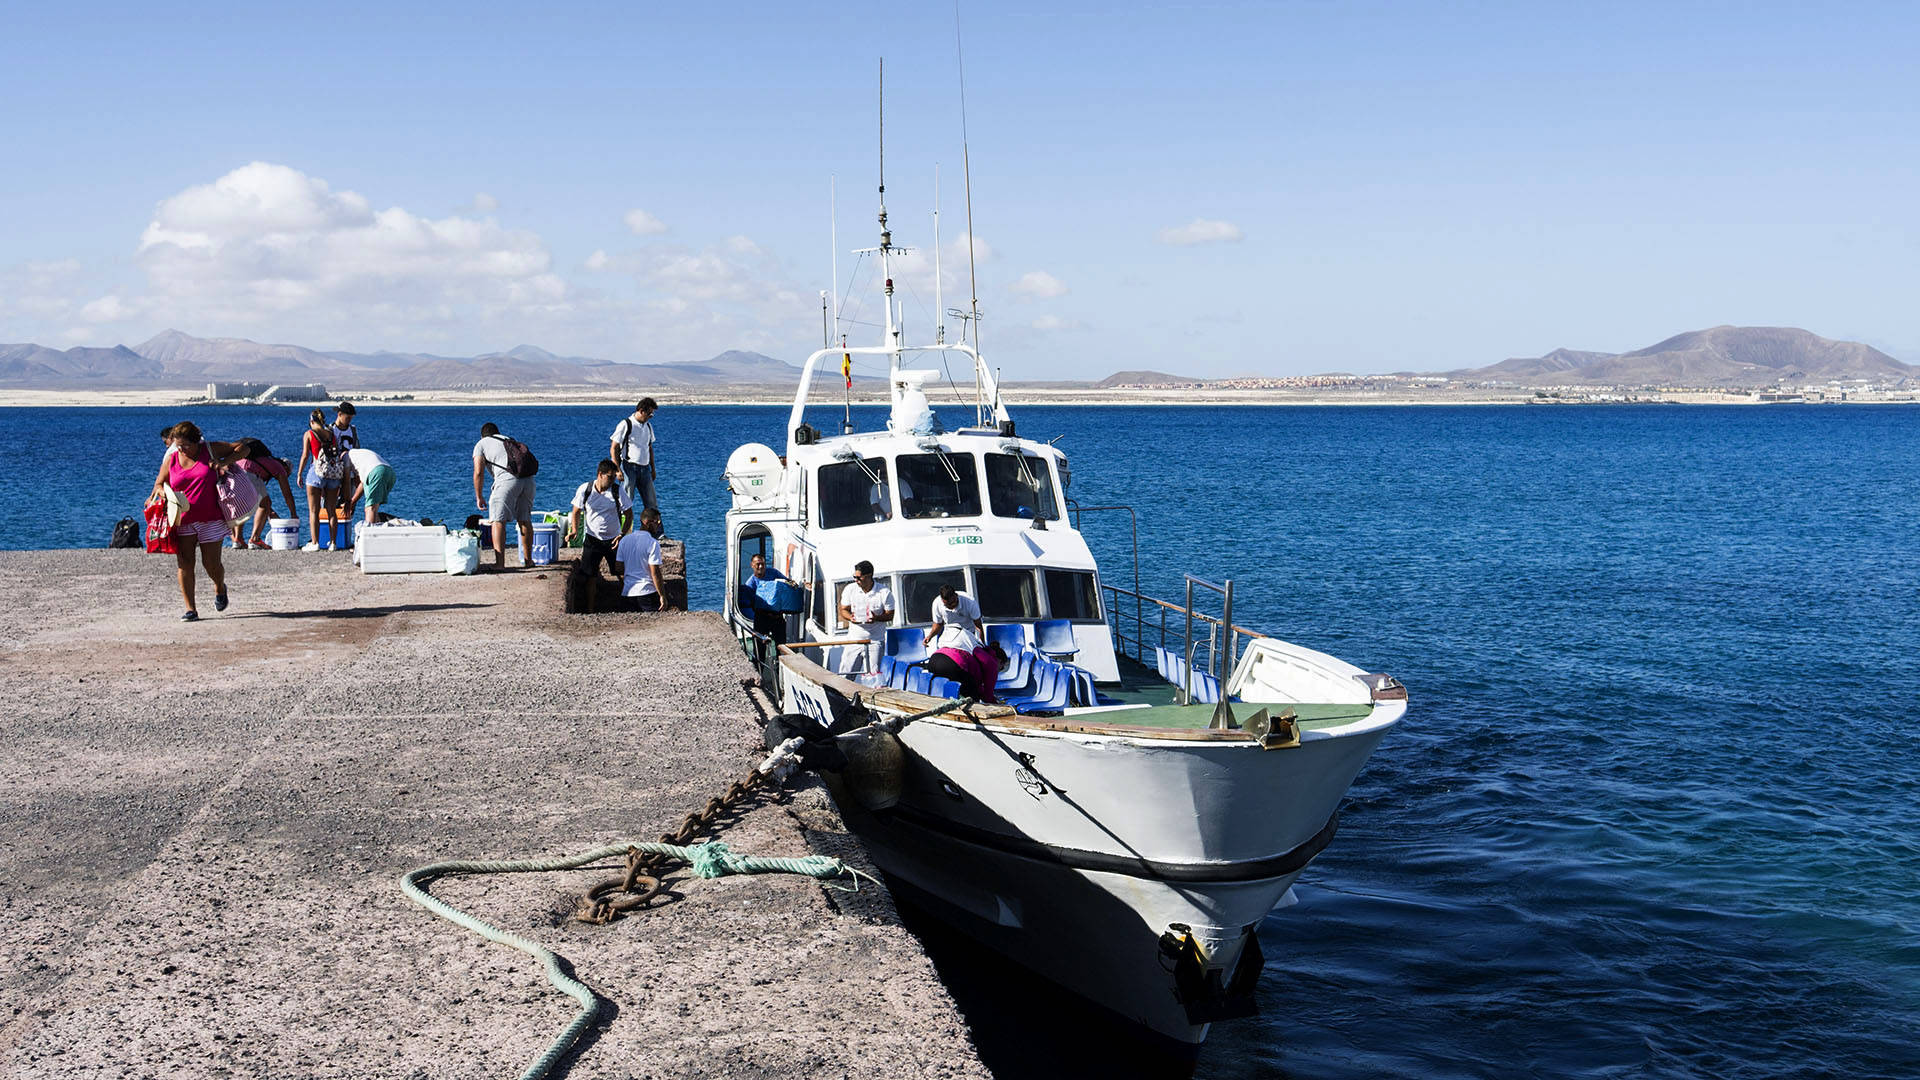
x=1148, y=701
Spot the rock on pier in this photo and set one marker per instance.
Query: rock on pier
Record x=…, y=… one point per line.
x=201, y=827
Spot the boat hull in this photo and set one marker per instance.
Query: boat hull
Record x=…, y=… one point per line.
x=1088, y=857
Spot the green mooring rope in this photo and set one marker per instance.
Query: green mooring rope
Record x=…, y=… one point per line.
x=708, y=860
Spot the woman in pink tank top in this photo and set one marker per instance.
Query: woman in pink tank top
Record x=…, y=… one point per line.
x=192, y=467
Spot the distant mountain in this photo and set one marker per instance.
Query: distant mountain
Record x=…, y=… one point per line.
x=1144, y=378
x=1725, y=356
x=173, y=359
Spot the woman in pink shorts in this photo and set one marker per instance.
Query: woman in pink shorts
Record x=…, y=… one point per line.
x=192, y=467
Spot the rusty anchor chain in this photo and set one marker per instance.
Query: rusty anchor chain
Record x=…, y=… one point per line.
x=640, y=882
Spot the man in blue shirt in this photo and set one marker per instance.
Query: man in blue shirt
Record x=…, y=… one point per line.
x=765, y=620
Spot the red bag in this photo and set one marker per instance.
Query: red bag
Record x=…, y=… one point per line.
x=159, y=533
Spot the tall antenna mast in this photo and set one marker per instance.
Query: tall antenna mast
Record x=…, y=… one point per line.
x=939, y=307
x=966, y=164
x=886, y=235
x=833, y=256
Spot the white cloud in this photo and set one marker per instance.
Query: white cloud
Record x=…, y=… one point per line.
x=643, y=223
x=599, y=260
x=485, y=203
x=741, y=245
x=1049, y=323
x=1038, y=285
x=107, y=309
x=1203, y=231
x=267, y=246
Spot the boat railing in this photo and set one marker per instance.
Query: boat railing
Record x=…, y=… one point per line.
x=1155, y=622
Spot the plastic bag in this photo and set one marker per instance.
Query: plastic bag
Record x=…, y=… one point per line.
x=463, y=552
x=159, y=530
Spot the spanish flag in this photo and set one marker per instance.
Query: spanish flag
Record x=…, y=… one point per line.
x=846, y=368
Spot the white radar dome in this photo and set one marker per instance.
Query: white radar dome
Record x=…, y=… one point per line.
x=753, y=474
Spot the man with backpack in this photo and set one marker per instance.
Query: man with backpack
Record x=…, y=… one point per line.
x=513, y=467
x=631, y=447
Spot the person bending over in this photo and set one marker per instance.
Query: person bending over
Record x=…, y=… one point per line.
x=975, y=671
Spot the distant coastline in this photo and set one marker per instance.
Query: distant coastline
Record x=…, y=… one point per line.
x=1170, y=397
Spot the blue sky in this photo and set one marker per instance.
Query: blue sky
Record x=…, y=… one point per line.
x=1211, y=188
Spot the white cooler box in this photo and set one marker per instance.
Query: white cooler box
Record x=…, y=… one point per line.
x=402, y=549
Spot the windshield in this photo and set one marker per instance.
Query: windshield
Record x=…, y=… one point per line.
x=1019, y=486
x=854, y=493
x=1072, y=594
x=1006, y=593
x=918, y=591
x=938, y=485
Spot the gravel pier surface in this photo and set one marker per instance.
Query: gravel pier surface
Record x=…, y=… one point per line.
x=202, y=826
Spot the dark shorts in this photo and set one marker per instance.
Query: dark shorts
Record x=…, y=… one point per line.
x=649, y=602
x=594, y=551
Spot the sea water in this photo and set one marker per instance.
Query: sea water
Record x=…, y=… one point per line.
x=1655, y=809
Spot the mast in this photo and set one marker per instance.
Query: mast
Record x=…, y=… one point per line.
x=939, y=308
x=973, y=280
x=886, y=238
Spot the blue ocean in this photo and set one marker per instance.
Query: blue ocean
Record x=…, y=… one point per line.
x=1655, y=811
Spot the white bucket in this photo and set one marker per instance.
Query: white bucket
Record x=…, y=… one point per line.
x=283, y=534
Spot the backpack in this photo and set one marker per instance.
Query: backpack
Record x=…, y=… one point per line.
x=520, y=460
x=126, y=534
x=331, y=460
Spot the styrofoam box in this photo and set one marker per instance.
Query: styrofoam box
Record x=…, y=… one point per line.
x=403, y=549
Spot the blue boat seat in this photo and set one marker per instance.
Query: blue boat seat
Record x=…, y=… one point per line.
x=1054, y=637
x=1052, y=695
x=920, y=681
x=1017, y=678
x=1012, y=637
x=907, y=643
x=945, y=688
x=901, y=672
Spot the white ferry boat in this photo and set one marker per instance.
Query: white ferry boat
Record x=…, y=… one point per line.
x=1166, y=775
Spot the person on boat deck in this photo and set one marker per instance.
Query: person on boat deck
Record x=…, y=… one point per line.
x=975, y=671
x=637, y=561
x=766, y=620
x=956, y=622
x=631, y=445
x=867, y=609
x=601, y=501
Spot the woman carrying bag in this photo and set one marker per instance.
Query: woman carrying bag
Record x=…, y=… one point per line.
x=191, y=469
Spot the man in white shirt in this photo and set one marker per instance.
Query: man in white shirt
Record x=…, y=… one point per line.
x=638, y=561
x=867, y=608
x=373, y=476
x=956, y=622
x=510, y=500
x=631, y=447
x=600, y=501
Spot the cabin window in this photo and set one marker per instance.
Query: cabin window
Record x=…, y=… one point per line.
x=854, y=493
x=1019, y=486
x=919, y=591
x=938, y=486
x=1006, y=593
x=1072, y=594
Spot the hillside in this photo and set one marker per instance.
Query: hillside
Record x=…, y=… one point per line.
x=175, y=360
x=1144, y=378
x=1724, y=356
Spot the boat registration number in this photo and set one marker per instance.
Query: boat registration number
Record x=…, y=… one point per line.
x=964, y=538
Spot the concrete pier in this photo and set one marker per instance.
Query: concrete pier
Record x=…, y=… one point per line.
x=201, y=826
